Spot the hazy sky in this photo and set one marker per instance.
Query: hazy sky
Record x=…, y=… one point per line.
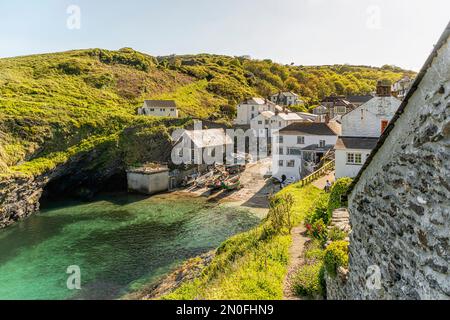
x=370, y=32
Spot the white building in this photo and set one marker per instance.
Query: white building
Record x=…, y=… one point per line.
x=206, y=146
x=401, y=87
x=159, y=108
x=299, y=147
x=262, y=123
x=250, y=109
x=309, y=116
x=361, y=129
x=286, y=99
x=284, y=119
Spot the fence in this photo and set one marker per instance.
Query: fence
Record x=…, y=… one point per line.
x=317, y=174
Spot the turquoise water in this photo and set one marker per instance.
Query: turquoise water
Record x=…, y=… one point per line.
x=119, y=242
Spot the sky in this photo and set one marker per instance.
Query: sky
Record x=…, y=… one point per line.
x=304, y=32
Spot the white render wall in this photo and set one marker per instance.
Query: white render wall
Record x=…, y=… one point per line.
x=148, y=183
x=366, y=120
x=290, y=141
x=247, y=112
x=349, y=170
x=159, y=112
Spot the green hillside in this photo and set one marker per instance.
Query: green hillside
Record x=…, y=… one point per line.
x=54, y=106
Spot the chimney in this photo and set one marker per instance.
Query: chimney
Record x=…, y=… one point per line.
x=384, y=88
x=327, y=118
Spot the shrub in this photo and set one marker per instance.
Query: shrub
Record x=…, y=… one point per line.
x=280, y=218
x=339, y=189
x=309, y=280
x=336, y=255
x=318, y=230
x=336, y=234
x=314, y=255
x=70, y=68
x=320, y=211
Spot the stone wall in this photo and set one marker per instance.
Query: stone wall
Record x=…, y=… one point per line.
x=399, y=208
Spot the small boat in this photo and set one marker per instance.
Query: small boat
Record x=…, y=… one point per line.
x=233, y=183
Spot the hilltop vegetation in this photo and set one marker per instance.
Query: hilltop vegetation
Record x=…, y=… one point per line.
x=52, y=105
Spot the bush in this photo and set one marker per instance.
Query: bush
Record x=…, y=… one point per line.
x=310, y=281
x=339, y=189
x=71, y=68
x=280, y=218
x=336, y=234
x=320, y=211
x=318, y=230
x=336, y=255
x=314, y=255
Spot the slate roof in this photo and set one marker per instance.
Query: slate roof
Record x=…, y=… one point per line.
x=289, y=116
x=359, y=99
x=360, y=143
x=160, y=104
x=208, y=138
x=311, y=128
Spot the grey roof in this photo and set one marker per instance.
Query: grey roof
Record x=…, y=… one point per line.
x=363, y=143
x=310, y=128
x=317, y=148
x=160, y=104
x=442, y=40
x=360, y=99
x=286, y=94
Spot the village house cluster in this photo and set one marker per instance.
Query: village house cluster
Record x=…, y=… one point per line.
x=343, y=129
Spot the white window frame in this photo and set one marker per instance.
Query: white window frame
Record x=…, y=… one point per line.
x=352, y=158
x=290, y=163
x=300, y=139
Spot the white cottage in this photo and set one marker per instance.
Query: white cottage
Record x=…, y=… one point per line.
x=361, y=128
x=207, y=146
x=159, y=108
x=286, y=99
x=251, y=108
x=284, y=119
x=299, y=147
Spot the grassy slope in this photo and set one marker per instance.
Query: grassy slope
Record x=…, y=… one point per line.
x=246, y=266
x=62, y=102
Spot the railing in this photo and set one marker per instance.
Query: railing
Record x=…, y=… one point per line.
x=317, y=174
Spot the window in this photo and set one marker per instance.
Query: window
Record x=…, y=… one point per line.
x=267, y=122
x=322, y=143
x=350, y=158
x=253, y=108
x=354, y=158
x=362, y=114
x=280, y=139
x=172, y=110
x=281, y=163
x=384, y=124
x=152, y=110
x=341, y=110
x=279, y=124
x=294, y=151
x=291, y=164
x=259, y=122
x=280, y=151
x=300, y=140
